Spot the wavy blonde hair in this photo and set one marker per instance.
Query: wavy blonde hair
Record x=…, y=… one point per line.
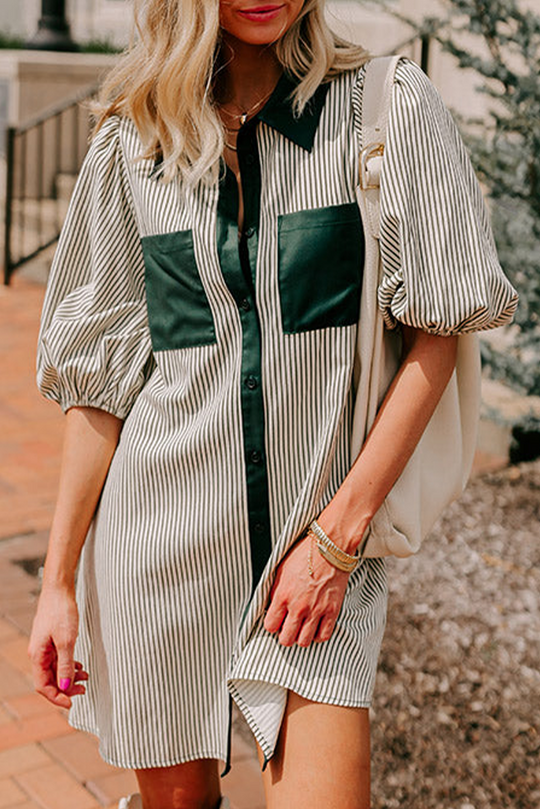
x=164, y=80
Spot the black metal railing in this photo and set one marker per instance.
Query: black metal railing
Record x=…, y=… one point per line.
x=419, y=48
x=43, y=158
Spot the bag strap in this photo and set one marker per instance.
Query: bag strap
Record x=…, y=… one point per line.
x=376, y=100
x=370, y=364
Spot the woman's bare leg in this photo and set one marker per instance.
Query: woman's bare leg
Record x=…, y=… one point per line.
x=193, y=785
x=322, y=759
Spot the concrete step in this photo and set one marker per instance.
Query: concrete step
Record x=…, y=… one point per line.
x=502, y=409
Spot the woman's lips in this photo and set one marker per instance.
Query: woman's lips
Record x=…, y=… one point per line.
x=261, y=13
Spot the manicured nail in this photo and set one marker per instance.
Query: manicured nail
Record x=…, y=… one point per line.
x=64, y=684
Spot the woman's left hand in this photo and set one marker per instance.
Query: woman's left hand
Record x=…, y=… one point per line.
x=305, y=608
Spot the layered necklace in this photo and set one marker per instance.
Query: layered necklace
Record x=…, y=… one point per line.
x=242, y=117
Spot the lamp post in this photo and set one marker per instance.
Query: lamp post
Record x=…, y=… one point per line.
x=53, y=29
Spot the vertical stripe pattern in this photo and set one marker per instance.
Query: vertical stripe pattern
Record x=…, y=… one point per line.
x=170, y=616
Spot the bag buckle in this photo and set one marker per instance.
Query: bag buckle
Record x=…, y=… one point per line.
x=367, y=153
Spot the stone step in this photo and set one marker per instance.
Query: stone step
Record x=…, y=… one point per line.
x=502, y=409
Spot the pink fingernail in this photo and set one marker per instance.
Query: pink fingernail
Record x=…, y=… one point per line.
x=64, y=684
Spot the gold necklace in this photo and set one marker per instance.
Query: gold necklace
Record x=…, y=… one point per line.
x=230, y=146
x=245, y=115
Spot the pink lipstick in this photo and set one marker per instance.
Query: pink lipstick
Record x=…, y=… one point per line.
x=261, y=13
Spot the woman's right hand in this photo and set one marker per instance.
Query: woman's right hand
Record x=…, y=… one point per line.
x=57, y=676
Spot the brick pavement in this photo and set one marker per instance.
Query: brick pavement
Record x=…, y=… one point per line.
x=44, y=763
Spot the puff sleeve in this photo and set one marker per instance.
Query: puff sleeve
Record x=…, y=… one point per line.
x=441, y=273
x=94, y=346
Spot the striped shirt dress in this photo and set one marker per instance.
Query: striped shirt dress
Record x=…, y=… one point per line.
x=230, y=360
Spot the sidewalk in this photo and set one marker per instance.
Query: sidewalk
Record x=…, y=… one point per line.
x=44, y=763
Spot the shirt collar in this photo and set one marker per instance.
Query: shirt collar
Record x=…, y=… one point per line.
x=278, y=112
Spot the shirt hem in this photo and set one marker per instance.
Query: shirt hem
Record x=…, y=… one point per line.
x=267, y=749
x=140, y=764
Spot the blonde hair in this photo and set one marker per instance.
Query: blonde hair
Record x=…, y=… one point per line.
x=164, y=80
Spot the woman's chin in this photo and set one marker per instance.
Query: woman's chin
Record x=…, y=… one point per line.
x=257, y=35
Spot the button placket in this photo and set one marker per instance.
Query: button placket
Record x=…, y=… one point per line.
x=239, y=269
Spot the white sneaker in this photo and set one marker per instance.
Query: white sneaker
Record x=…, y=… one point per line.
x=131, y=802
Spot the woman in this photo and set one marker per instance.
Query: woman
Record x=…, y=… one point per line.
x=199, y=331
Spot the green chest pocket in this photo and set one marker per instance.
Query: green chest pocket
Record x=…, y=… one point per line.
x=321, y=258
x=179, y=312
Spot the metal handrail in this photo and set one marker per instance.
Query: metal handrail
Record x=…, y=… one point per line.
x=38, y=152
x=30, y=192
x=57, y=109
x=425, y=48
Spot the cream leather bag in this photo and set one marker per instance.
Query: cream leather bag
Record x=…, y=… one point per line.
x=439, y=468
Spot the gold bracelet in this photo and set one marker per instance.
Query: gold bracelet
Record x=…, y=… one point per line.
x=311, y=536
x=331, y=552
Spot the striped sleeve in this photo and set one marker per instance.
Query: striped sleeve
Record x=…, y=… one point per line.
x=94, y=346
x=441, y=273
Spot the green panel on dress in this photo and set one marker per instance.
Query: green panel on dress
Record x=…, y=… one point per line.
x=179, y=313
x=321, y=257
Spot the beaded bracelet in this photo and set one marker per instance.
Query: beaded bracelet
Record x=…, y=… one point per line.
x=331, y=552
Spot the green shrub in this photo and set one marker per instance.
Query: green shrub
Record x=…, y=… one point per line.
x=506, y=155
x=10, y=41
x=99, y=46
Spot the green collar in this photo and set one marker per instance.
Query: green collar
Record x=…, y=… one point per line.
x=279, y=114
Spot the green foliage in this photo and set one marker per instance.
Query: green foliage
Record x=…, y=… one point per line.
x=506, y=154
x=10, y=41
x=14, y=42
x=99, y=46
